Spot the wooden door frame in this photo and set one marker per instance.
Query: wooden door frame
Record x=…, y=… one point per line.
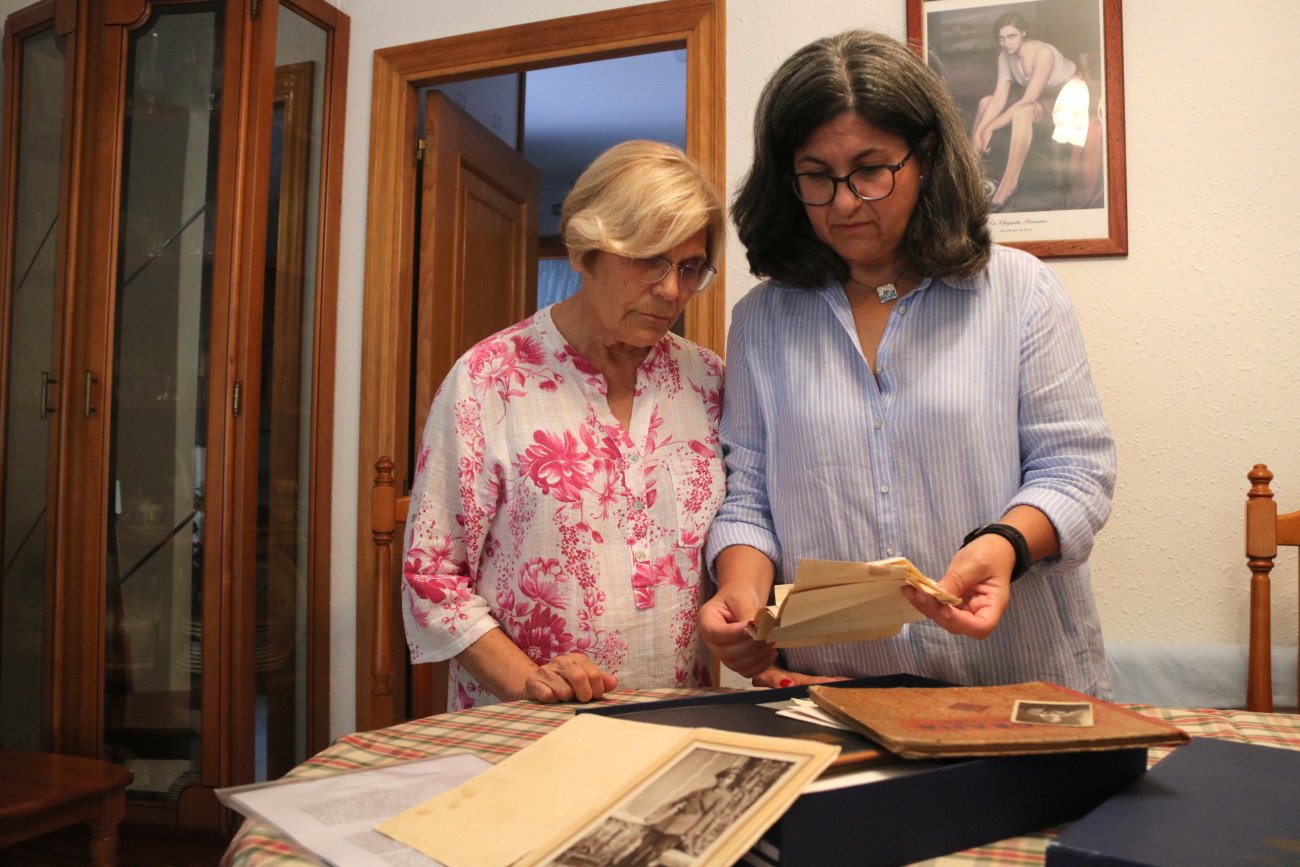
x=698, y=25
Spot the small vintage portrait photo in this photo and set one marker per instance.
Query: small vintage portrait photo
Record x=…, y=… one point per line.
x=1052, y=713
x=674, y=818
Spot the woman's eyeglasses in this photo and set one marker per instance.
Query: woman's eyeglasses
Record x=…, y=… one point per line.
x=868, y=183
x=692, y=275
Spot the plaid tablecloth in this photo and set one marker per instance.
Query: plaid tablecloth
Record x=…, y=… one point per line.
x=498, y=730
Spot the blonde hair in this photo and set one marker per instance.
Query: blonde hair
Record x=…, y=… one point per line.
x=640, y=199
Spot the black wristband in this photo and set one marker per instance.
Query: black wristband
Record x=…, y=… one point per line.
x=1012, y=535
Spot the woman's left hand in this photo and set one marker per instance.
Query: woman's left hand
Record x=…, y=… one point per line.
x=980, y=574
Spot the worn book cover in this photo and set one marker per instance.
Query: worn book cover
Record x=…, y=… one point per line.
x=1012, y=719
x=835, y=601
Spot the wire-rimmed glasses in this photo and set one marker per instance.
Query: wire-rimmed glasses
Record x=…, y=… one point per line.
x=868, y=183
x=693, y=275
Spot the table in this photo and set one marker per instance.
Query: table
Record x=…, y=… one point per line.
x=496, y=731
x=42, y=792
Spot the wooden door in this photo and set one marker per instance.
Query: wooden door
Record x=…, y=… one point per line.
x=478, y=272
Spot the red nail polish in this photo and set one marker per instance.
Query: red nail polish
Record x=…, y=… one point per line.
x=785, y=681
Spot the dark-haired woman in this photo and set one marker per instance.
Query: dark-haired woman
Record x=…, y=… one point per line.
x=899, y=386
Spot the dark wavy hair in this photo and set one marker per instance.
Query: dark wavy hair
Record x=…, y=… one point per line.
x=882, y=81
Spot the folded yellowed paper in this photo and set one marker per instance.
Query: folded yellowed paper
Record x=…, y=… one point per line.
x=598, y=789
x=834, y=601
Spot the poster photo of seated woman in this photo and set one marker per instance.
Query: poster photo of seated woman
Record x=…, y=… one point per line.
x=1030, y=80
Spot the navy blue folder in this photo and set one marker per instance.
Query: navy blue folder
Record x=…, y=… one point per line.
x=1212, y=802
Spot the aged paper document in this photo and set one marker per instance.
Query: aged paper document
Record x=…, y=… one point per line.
x=333, y=816
x=834, y=601
x=598, y=789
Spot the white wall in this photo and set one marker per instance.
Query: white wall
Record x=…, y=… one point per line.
x=1194, y=336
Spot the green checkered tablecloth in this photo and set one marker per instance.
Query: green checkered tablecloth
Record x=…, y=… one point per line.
x=496, y=731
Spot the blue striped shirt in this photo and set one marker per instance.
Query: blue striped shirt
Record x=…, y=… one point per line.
x=983, y=400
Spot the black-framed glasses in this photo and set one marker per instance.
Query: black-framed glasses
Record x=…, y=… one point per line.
x=868, y=183
x=693, y=275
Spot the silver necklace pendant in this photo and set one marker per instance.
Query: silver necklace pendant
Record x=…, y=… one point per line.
x=886, y=293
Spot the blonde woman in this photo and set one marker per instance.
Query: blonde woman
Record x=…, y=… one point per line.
x=570, y=464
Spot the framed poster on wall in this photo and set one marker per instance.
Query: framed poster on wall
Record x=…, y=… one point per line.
x=1040, y=85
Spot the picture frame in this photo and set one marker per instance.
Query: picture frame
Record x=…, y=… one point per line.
x=1055, y=165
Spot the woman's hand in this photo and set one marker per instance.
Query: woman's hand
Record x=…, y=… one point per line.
x=982, y=139
x=776, y=678
x=722, y=626
x=571, y=677
x=980, y=574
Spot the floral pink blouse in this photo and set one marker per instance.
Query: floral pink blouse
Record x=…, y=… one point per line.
x=533, y=510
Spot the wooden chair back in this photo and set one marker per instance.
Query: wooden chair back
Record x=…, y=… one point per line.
x=418, y=690
x=1265, y=530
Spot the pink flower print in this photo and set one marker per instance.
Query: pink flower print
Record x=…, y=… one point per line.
x=542, y=580
x=557, y=465
x=604, y=449
x=701, y=449
x=506, y=603
x=643, y=586
x=428, y=571
x=712, y=398
x=421, y=460
x=529, y=351
x=543, y=637
x=648, y=576
x=666, y=571
x=493, y=365
x=656, y=422
x=438, y=588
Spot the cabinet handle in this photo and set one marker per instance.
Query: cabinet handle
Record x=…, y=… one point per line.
x=46, y=382
x=90, y=409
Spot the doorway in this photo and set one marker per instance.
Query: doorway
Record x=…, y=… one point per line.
x=693, y=26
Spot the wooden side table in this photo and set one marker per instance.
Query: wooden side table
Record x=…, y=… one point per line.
x=43, y=792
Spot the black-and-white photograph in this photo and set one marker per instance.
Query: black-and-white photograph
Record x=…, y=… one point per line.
x=674, y=819
x=1032, y=80
x=1053, y=713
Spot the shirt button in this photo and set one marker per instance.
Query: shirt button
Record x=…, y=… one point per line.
x=902, y=310
x=884, y=489
x=638, y=505
x=641, y=557
x=891, y=550
x=634, y=458
x=879, y=424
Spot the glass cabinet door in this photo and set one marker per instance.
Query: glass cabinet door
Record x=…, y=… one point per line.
x=31, y=380
x=165, y=523
x=156, y=644
x=290, y=309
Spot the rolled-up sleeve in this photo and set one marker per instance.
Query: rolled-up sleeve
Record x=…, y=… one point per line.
x=1067, y=451
x=745, y=517
x=450, y=502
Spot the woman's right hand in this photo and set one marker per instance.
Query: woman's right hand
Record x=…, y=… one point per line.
x=722, y=626
x=571, y=677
